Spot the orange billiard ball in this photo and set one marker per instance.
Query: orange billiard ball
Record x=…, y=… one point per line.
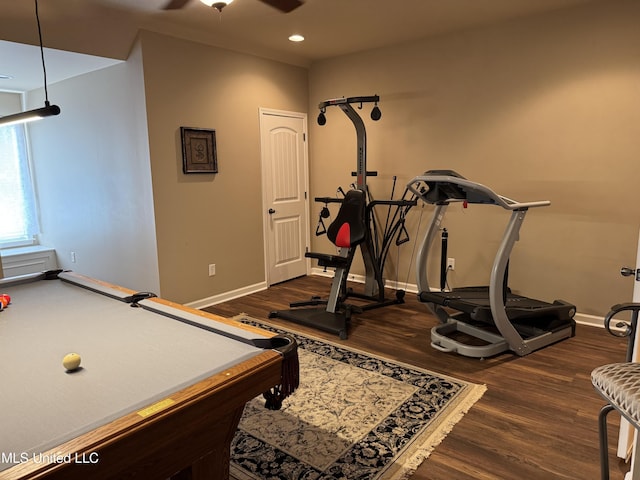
x=5, y=298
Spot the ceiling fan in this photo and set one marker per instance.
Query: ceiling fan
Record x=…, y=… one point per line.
x=284, y=6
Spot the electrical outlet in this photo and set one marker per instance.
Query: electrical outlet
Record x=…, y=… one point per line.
x=73, y=257
x=451, y=263
x=212, y=269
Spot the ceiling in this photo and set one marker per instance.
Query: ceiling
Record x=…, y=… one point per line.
x=108, y=28
x=25, y=66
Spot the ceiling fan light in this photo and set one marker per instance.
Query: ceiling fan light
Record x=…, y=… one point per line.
x=218, y=5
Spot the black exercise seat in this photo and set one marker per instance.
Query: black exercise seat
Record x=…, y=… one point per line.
x=328, y=261
x=347, y=231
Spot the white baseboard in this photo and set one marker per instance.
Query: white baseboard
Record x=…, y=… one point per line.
x=581, y=318
x=589, y=320
x=225, y=297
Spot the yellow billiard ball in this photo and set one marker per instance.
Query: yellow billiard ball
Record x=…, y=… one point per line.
x=71, y=361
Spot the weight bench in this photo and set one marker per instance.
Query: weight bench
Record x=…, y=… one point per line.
x=346, y=232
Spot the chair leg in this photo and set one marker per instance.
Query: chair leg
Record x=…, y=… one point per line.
x=604, y=442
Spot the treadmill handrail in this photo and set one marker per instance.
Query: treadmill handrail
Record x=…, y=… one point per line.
x=480, y=192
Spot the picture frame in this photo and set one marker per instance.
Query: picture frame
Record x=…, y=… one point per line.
x=199, y=150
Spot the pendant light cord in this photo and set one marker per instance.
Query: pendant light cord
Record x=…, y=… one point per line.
x=48, y=110
x=44, y=68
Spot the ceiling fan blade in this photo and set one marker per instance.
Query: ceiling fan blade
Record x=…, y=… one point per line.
x=285, y=6
x=175, y=4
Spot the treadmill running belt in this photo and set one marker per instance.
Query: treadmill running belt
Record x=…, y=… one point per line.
x=474, y=301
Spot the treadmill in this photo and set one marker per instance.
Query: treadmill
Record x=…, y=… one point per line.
x=486, y=320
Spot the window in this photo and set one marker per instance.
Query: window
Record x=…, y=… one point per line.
x=18, y=218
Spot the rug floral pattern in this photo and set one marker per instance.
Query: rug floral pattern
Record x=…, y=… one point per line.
x=354, y=417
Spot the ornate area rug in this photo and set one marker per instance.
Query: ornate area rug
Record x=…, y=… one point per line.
x=355, y=416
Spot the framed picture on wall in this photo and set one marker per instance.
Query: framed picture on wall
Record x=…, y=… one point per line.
x=198, y=150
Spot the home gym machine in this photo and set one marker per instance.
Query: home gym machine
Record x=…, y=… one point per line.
x=356, y=225
x=490, y=318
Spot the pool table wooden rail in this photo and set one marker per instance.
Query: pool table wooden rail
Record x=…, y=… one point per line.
x=200, y=313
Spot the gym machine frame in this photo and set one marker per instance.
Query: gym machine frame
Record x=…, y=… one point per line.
x=335, y=316
x=373, y=283
x=440, y=188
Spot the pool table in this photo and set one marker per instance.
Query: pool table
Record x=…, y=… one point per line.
x=159, y=392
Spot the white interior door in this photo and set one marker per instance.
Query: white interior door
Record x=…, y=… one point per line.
x=627, y=438
x=285, y=186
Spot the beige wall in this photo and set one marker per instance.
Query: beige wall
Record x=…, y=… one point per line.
x=540, y=108
x=10, y=103
x=204, y=219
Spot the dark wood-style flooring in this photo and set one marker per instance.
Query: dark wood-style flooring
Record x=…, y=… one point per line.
x=538, y=418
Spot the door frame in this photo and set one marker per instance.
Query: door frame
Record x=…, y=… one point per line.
x=265, y=203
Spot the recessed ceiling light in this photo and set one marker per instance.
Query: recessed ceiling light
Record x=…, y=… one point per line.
x=296, y=38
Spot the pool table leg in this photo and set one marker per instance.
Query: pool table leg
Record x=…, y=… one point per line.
x=215, y=464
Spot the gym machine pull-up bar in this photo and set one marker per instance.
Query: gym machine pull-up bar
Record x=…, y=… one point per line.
x=344, y=104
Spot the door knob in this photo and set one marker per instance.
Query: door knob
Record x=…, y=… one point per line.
x=628, y=272
x=271, y=211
